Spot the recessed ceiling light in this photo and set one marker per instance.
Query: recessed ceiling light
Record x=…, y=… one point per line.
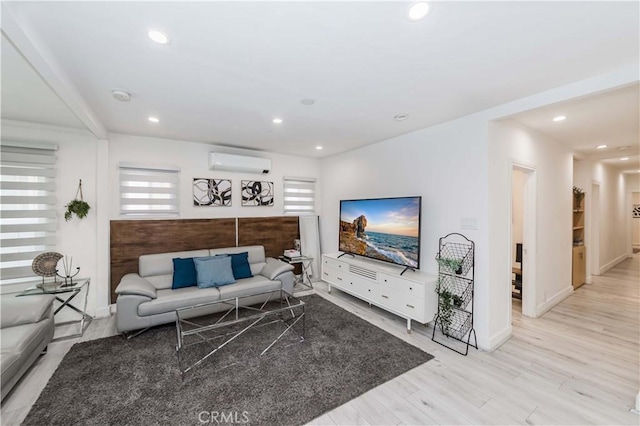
x=158, y=36
x=601, y=146
x=307, y=101
x=154, y=119
x=401, y=117
x=624, y=148
x=559, y=118
x=277, y=120
x=624, y=158
x=318, y=147
x=419, y=10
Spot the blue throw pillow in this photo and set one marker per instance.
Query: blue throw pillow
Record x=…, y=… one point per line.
x=213, y=271
x=184, y=273
x=240, y=265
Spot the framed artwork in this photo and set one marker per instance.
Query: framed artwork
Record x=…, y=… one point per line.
x=211, y=192
x=257, y=193
x=636, y=211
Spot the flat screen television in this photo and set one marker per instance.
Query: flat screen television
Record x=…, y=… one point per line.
x=386, y=229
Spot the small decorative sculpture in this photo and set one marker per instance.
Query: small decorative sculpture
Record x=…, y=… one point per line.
x=68, y=269
x=45, y=265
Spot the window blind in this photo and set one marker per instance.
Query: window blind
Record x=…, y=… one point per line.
x=299, y=195
x=148, y=191
x=28, y=208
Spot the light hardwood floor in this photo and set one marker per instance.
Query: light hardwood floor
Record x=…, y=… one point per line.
x=578, y=364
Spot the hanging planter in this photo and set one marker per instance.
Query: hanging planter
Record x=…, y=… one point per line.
x=79, y=207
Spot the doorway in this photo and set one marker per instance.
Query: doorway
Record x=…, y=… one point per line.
x=522, y=284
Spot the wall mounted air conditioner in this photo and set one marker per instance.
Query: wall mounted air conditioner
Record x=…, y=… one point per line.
x=238, y=163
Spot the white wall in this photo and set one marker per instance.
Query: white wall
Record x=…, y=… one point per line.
x=445, y=164
x=635, y=222
x=192, y=158
x=77, y=158
x=632, y=185
x=613, y=237
x=511, y=142
x=613, y=212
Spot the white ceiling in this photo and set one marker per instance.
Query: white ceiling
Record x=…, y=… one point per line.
x=26, y=97
x=611, y=118
x=231, y=67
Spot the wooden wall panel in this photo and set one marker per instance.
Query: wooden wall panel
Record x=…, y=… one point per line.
x=132, y=238
x=275, y=233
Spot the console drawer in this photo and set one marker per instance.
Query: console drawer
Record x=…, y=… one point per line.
x=404, y=304
x=412, y=288
x=336, y=264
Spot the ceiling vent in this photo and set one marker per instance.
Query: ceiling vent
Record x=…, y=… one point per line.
x=239, y=163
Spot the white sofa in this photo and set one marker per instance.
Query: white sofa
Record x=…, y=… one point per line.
x=26, y=328
x=146, y=299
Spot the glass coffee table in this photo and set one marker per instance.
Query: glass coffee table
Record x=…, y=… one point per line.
x=65, y=293
x=234, y=317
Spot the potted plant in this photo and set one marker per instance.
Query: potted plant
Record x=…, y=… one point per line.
x=446, y=302
x=453, y=265
x=578, y=196
x=79, y=207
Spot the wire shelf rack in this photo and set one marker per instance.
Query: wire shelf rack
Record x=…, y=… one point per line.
x=455, y=291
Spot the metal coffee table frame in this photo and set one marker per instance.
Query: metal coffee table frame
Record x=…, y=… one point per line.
x=287, y=303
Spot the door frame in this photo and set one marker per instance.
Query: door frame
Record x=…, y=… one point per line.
x=529, y=237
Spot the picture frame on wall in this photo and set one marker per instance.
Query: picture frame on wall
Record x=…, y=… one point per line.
x=212, y=192
x=636, y=211
x=257, y=193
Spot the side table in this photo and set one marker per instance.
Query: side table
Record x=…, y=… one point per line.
x=305, y=263
x=65, y=294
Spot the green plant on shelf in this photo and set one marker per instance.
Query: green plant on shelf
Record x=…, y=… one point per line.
x=454, y=265
x=578, y=194
x=446, y=302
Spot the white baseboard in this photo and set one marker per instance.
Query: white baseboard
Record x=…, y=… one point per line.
x=614, y=262
x=103, y=312
x=498, y=339
x=542, y=309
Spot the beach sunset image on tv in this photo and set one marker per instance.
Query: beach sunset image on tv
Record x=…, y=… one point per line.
x=385, y=229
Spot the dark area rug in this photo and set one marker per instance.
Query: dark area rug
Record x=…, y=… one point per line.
x=114, y=381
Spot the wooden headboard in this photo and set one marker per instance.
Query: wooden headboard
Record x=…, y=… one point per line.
x=133, y=238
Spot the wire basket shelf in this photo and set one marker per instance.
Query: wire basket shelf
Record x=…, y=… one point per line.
x=455, y=258
x=460, y=324
x=460, y=288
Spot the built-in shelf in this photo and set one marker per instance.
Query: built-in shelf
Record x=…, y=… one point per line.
x=578, y=227
x=578, y=211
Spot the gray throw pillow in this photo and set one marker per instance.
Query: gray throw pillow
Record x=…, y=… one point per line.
x=213, y=271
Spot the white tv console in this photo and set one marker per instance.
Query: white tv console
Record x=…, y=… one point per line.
x=411, y=296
